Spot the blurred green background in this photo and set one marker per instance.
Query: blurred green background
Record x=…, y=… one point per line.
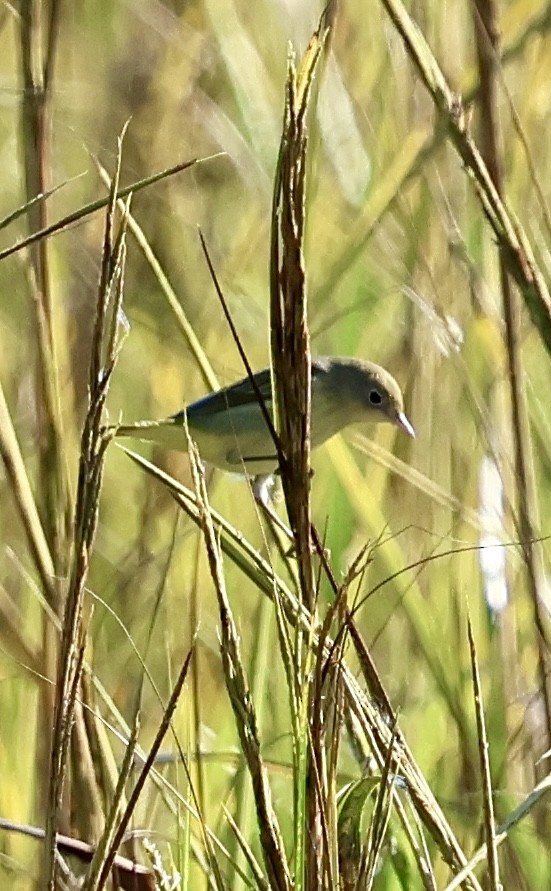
x=401, y=270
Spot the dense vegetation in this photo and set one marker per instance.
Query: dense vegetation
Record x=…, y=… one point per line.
x=414, y=260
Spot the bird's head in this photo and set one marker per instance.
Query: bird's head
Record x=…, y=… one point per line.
x=366, y=392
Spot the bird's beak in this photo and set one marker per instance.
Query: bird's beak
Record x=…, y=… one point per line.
x=403, y=422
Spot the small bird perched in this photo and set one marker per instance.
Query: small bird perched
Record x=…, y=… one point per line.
x=231, y=431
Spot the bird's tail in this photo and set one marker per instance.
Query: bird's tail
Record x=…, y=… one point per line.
x=166, y=433
x=139, y=430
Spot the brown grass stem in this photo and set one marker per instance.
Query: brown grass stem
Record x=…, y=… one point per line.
x=486, y=26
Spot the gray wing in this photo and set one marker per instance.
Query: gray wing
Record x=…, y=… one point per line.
x=241, y=393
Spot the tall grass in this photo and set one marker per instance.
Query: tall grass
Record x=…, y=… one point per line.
x=372, y=710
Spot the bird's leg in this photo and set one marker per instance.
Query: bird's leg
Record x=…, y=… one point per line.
x=261, y=491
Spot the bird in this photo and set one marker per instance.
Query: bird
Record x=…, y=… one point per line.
x=230, y=429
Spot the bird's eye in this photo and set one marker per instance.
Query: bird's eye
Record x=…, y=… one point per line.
x=375, y=397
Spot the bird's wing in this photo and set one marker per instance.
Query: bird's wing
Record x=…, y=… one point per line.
x=256, y=458
x=241, y=393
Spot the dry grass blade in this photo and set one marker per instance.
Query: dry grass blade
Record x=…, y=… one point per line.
x=290, y=338
x=101, y=204
x=13, y=636
x=91, y=882
x=415, y=154
x=374, y=722
x=232, y=543
x=38, y=42
x=131, y=876
x=380, y=820
x=391, y=187
x=372, y=713
x=502, y=832
x=290, y=350
x=238, y=690
x=104, y=353
x=237, y=340
x=326, y=719
x=515, y=248
x=173, y=798
x=254, y=866
x=21, y=211
x=483, y=749
x=25, y=502
x=37, y=80
x=486, y=26
x=118, y=833
x=183, y=322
